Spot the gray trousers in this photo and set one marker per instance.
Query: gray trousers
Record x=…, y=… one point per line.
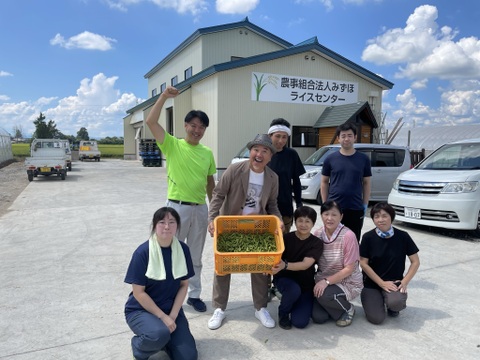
x=193, y=230
x=374, y=302
x=331, y=305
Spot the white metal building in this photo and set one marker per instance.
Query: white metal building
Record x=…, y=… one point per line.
x=5, y=146
x=243, y=77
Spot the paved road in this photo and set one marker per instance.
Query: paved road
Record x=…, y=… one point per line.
x=65, y=246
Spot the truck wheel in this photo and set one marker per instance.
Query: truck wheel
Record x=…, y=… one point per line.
x=30, y=177
x=63, y=174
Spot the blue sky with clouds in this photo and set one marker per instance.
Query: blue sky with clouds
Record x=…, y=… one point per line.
x=82, y=62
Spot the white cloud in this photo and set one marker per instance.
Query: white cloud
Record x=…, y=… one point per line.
x=236, y=6
x=426, y=49
x=296, y=22
x=85, y=40
x=420, y=84
x=5, y=73
x=97, y=106
x=462, y=101
x=329, y=3
x=194, y=7
x=4, y=98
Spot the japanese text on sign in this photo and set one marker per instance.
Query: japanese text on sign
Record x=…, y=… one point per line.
x=300, y=90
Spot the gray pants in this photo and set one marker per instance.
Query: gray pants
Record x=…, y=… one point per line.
x=193, y=230
x=331, y=305
x=374, y=302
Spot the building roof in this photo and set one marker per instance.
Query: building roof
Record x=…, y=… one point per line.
x=334, y=116
x=311, y=44
x=245, y=23
x=432, y=137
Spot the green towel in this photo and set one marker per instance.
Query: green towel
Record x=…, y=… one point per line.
x=156, y=265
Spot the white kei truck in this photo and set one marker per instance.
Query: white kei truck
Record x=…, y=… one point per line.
x=47, y=157
x=88, y=149
x=68, y=153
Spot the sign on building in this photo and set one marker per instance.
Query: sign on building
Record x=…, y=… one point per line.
x=302, y=90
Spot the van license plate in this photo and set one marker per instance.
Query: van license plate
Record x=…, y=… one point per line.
x=413, y=213
x=45, y=169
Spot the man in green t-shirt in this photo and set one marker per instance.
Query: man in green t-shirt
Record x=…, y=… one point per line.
x=190, y=170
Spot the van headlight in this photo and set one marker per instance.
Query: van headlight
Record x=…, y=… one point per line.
x=309, y=174
x=460, y=187
x=395, y=184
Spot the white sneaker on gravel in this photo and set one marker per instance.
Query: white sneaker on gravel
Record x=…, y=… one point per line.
x=216, y=320
x=264, y=316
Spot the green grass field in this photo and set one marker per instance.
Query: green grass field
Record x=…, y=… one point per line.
x=108, y=151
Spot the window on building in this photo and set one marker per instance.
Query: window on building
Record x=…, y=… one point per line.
x=303, y=136
x=154, y=92
x=188, y=73
x=174, y=80
x=163, y=87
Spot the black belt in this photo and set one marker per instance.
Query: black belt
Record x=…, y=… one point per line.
x=183, y=202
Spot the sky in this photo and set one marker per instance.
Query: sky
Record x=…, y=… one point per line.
x=82, y=62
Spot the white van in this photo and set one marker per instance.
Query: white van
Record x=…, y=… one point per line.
x=442, y=190
x=387, y=163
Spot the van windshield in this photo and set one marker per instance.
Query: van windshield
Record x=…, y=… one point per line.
x=319, y=156
x=453, y=157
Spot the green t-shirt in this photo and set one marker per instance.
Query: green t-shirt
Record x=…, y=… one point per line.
x=187, y=169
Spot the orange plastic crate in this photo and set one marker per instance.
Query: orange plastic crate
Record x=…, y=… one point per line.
x=247, y=262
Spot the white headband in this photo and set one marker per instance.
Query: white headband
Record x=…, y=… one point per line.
x=276, y=128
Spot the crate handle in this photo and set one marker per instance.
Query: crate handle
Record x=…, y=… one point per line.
x=246, y=220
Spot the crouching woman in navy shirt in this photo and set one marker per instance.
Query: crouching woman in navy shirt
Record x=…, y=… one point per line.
x=159, y=273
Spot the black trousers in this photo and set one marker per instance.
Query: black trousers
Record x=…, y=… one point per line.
x=353, y=219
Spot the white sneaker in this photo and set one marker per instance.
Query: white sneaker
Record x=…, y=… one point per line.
x=216, y=320
x=264, y=316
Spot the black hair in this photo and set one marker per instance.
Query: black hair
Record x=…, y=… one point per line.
x=383, y=206
x=345, y=127
x=160, y=215
x=197, y=114
x=305, y=211
x=280, y=121
x=329, y=205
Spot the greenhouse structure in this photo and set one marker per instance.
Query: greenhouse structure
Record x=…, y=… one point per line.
x=429, y=138
x=5, y=146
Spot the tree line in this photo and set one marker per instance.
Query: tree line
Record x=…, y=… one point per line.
x=48, y=130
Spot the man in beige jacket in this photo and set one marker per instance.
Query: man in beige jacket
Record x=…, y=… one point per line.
x=246, y=188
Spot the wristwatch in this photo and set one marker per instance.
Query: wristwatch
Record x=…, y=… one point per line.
x=286, y=264
x=326, y=280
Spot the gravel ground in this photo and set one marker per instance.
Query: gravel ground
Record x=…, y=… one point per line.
x=13, y=179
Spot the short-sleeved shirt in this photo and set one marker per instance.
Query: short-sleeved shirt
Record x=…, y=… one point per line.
x=162, y=292
x=386, y=256
x=295, y=251
x=288, y=166
x=188, y=167
x=346, y=178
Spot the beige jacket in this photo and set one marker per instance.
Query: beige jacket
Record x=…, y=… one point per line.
x=230, y=194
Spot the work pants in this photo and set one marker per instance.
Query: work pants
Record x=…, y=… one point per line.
x=221, y=290
x=374, y=302
x=193, y=230
x=152, y=336
x=332, y=304
x=294, y=302
x=353, y=219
